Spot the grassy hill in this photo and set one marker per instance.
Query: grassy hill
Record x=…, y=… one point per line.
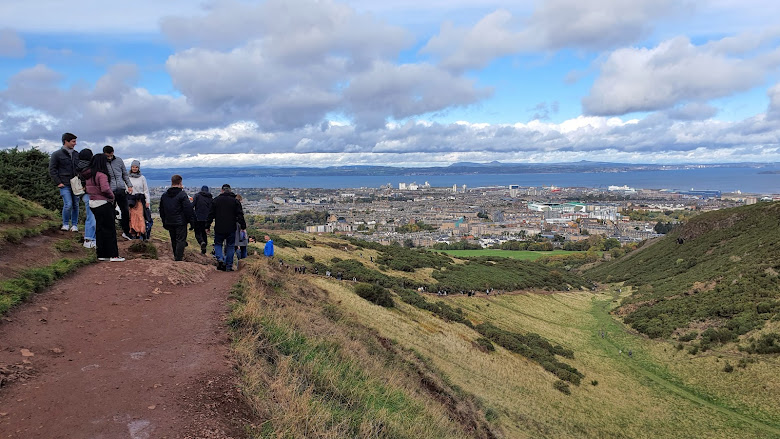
x=320, y=360
x=711, y=280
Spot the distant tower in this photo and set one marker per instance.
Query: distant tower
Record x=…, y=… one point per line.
x=455, y=188
x=514, y=189
x=464, y=188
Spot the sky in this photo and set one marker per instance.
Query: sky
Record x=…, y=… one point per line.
x=403, y=83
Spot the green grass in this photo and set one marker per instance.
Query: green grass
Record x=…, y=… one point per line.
x=520, y=254
x=16, y=290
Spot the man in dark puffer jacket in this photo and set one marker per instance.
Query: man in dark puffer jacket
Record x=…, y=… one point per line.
x=176, y=213
x=202, y=204
x=226, y=211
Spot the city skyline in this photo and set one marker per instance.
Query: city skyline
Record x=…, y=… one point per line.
x=331, y=83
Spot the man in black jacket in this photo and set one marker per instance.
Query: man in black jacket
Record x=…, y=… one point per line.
x=202, y=204
x=62, y=167
x=225, y=211
x=176, y=213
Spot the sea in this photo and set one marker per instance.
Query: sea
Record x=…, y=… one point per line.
x=749, y=180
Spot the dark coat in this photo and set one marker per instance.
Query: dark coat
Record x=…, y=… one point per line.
x=202, y=204
x=175, y=208
x=62, y=166
x=226, y=211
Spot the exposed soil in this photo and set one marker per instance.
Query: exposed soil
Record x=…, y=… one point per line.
x=37, y=251
x=136, y=349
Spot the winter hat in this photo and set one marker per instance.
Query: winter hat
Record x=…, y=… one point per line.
x=85, y=154
x=135, y=163
x=204, y=188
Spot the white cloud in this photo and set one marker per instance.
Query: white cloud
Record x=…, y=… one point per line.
x=676, y=71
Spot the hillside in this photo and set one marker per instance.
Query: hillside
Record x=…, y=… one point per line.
x=713, y=279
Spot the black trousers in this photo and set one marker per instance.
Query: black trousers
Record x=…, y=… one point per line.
x=178, y=240
x=105, y=231
x=120, y=197
x=200, y=232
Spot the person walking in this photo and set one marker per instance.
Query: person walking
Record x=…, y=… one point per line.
x=101, y=201
x=225, y=211
x=268, y=250
x=141, y=201
x=83, y=168
x=202, y=204
x=121, y=185
x=62, y=167
x=176, y=213
x=242, y=238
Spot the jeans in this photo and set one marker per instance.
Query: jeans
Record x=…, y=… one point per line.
x=105, y=231
x=89, y=224
x=120, y=197
x=70, y=207
x=178, y=240
x=230, y=240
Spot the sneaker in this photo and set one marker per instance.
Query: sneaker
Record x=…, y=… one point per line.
x=74, y=229
x=65, y=228
x=203, y=248
x=117, y=259
x=124, y=235
x=88, y=243
x=103, y=259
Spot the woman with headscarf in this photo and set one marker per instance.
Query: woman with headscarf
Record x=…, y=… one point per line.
x=138, y=201
x=101, y=202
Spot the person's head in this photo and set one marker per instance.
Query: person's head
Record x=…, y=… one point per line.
x=267, y=238
x=225, y=188
x=99, y=164
x=108, y=151
x=239, y=197
x=204, y=188
x=85, y=154
x=69, y=140
x=176, y=180
x=135, y=166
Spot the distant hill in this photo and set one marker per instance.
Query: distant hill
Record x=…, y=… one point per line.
x=717, y=274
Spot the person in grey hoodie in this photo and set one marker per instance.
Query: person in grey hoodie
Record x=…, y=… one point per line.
x=121, y=185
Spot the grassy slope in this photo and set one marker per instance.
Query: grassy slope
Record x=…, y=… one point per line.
x=658, y=391
x=726, y=266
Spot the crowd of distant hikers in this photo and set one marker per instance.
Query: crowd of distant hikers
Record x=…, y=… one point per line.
x=109, y=191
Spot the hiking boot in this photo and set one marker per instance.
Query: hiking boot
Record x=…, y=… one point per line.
x=221, y=266
x=203, y=248
x=117, y=259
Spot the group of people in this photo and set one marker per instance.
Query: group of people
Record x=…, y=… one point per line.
x=102, y=182
x=108, y=187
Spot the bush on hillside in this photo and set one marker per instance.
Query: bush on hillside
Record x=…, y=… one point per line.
x=375, y=294
x=26, y=173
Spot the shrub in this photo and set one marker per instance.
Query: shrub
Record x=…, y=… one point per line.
x=375, y=294
x=689, y=336
x=728, y=368
x=594, y=383
x=562, y=387
x=309, y=259
x=485, y=344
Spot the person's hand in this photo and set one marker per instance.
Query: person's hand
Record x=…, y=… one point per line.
x=60, y=185
x=129, y=190
x=208, y=230
x=148, y=205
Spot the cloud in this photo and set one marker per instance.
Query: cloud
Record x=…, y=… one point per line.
x=11, y=44
x=554, y=25
x=676, y=71
x=774, y=102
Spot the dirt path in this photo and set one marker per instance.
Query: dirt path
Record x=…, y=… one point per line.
x=122, y=350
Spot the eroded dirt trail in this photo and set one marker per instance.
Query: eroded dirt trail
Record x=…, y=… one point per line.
x=122, y=350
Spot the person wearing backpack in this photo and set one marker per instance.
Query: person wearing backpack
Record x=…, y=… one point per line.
x=62, y=168
x=201, y=202
x=84, y=171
